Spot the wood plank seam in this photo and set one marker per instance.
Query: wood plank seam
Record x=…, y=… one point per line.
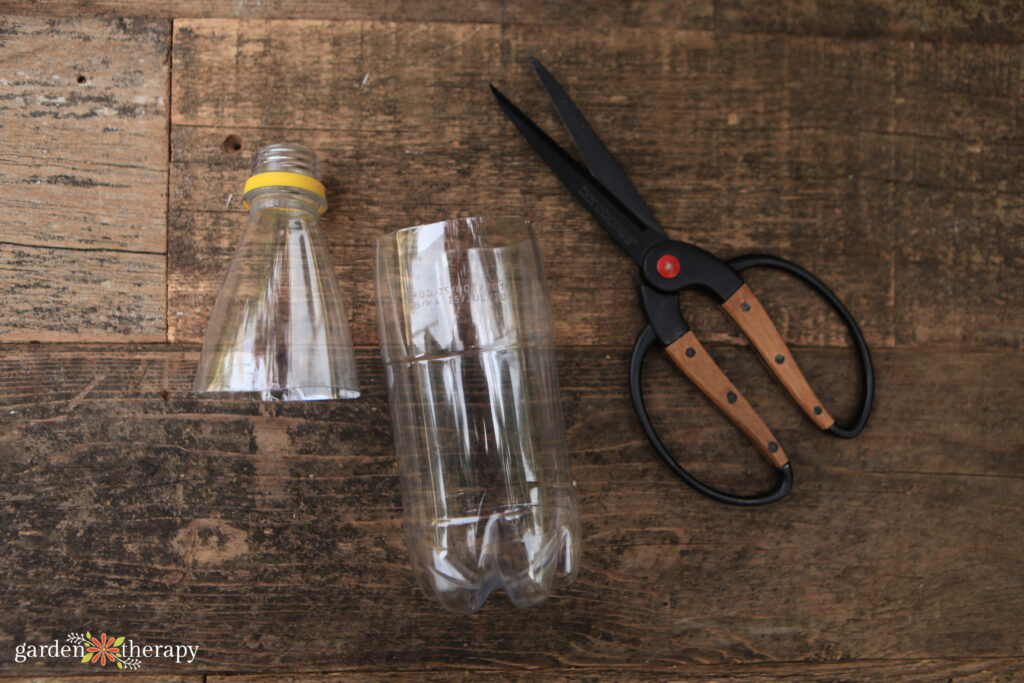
x=170, y=161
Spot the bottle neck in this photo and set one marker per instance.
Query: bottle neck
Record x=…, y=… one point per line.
x=284, y=199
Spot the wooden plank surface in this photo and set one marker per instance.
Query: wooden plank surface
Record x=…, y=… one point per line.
x=876, y=143
x=83, y=179
x=963, y=671
x=270, y=534
x=166, y=678
x=429, y=10
x=843, y=156
x=995, y=21
x=981, y=670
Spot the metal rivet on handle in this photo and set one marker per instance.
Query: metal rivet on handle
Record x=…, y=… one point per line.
x=745, y=307
x=690, y=353
x=772, y=446
x=780, y=359
x=731, y=397
x=817, y=410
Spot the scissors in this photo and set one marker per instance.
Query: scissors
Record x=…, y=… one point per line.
x=667, y=267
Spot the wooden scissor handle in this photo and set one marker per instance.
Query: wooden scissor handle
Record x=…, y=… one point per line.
x=690, y=356
x=746, y=311
x=762, y=333
x=705, y=373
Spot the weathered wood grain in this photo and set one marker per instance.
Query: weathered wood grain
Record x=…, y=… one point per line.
x=165, y=678
x=917, y=20
x=962, y=670
x=888, y=168
x=49, y=294
x=395, y=10
x=83, y=179
x=925, y=401
x=270, y=534
x=965, y=671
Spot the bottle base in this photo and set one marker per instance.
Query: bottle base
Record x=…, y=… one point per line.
x=527, y=566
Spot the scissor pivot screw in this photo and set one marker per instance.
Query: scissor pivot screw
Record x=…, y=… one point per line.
x=668, y=266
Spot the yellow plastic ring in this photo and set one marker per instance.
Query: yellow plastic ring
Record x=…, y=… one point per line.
x=286, y=179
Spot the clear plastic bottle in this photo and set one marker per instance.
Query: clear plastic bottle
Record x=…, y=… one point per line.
x=278, y=330
x=468, y=345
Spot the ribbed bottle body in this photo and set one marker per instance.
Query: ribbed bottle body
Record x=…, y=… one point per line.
x=468, y=346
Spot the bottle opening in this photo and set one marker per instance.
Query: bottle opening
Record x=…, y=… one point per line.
x=288, y=157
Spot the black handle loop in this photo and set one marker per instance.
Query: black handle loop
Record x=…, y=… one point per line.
x=636, y=362
x=741, y=263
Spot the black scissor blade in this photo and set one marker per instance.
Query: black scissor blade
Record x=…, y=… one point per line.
x=596, y=155
x=628, y=231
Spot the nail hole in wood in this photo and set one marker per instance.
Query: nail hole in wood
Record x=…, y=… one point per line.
x=232, y=144
x=82, y=78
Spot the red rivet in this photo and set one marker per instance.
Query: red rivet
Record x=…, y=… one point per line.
x=668, y=266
